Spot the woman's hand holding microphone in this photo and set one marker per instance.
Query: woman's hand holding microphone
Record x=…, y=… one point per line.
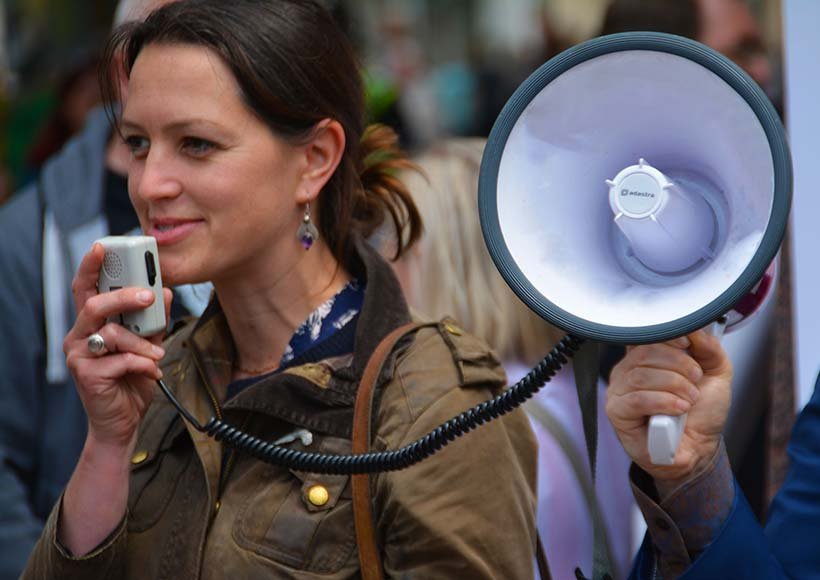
x=115, y=372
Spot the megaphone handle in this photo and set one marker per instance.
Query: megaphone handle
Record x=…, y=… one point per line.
x=665, y=431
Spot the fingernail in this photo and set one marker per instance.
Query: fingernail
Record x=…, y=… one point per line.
x=159, y=373
x=159, y=351
x=145, y=296
x=694, y=393
x=682, y=405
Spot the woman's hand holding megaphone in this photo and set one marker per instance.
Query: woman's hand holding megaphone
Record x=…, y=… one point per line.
x=691, y=374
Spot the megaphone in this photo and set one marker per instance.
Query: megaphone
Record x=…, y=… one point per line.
x=636, y=188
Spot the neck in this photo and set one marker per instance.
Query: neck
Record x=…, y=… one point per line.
x=263, y=313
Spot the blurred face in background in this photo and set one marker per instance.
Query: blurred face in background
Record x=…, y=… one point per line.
x=729, y=27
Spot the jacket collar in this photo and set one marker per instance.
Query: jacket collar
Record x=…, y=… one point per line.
x=384, y=308
x=317, y=395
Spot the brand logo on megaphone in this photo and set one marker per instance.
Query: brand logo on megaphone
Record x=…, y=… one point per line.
x=634, y=193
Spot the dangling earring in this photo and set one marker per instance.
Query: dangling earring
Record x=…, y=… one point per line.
x=307, y=232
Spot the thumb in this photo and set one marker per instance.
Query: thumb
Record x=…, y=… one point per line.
x=168, y=296
x=708, y=352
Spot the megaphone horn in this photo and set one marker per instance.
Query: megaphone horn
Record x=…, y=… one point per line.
x=635, y=188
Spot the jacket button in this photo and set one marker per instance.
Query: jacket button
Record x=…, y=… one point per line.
x=217, y=505
x=318, y=495
x=139, y=457
x=452, y=329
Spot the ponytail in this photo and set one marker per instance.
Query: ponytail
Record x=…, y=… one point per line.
x=383, y=193
x=362, y=194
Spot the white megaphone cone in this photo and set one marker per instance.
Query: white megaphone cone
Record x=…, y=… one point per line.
x=683, y=235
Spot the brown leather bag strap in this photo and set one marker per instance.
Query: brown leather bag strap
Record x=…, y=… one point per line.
x=369, y=558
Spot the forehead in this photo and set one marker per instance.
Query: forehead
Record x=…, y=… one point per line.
x=167, y=77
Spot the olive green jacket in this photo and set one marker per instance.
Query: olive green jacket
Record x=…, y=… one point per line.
x=468, y=512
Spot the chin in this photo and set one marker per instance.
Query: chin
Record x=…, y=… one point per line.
x=182, y=278
x=173, y=275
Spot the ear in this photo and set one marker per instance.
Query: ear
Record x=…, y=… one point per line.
x=322, y=155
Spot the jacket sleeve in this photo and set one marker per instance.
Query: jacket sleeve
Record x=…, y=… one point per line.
x=469, y=510
x=20, y=391
x=50, y=561
x=740, y=550
x=794, y=518
x=785, y=549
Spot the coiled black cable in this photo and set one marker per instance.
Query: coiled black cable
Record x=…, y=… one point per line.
x=376, y=462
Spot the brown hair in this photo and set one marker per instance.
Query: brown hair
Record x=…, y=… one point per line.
x=295, y=68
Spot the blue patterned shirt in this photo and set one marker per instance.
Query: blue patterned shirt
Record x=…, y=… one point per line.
x=334, y=319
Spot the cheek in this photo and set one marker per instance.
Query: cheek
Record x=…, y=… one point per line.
x=134, y=180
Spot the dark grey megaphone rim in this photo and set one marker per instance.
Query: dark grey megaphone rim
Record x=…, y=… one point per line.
x=653, y=41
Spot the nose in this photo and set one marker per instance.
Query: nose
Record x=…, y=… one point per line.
x=154, y=178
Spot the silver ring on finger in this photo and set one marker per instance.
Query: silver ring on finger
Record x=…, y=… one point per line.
x=96, y=344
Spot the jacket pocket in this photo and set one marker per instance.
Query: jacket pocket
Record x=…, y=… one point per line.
x=156, y=467
x=302, y=520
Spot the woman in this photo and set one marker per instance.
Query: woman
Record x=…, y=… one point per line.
x=469, y=288
x=250, y=169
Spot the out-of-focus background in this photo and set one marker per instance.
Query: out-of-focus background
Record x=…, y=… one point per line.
x=434, y=67
x=48, y=51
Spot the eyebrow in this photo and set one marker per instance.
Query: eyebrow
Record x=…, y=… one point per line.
x=176, y=126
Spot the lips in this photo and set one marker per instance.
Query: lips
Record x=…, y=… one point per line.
x=169, y=231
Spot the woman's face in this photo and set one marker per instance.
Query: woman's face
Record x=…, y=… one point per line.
x=208, y=179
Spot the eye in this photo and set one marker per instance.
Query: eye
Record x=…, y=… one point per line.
x=138, y=145
x=197, y=147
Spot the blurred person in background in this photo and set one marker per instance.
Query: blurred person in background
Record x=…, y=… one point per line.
x=77, y=94
x=5, y=182
x=449, y=272
x=44, y=231
x=728, y=26
x=398, y=81
x=6, y=186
